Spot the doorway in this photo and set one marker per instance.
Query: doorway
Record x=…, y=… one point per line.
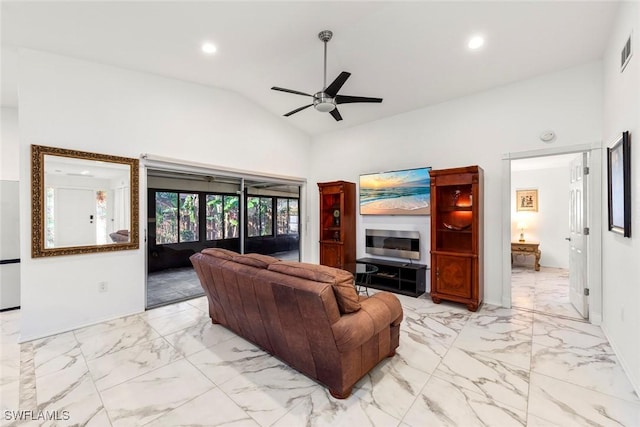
x=557, y=223
x=189, y=212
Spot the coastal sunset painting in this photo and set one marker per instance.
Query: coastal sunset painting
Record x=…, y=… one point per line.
x=403, y=192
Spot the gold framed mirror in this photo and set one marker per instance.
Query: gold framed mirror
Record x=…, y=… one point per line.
x=82, y=202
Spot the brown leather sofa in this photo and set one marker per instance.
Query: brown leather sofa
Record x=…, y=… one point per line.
x=307, y=315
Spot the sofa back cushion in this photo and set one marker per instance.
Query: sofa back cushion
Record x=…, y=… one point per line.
x=220, y=253
x=341, y=281
x=255, y=260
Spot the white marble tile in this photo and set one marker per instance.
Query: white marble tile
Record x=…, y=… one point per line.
x=9, y=397
x=320, y=409
x=498, y=319
x=492, y=378
x=70, y=390
x=569, y=405
x=166, y=310
x=513, y=347
x=55, y=353
x=10, y=323
x=596, y=368
x=154, y=394
x=88, y=331
x=267, y=394
x=9, y=347
x=9, y=364
x=534, y=421
x=115, y=339
x=552, y=331
x=419, y=351
x=199, y=337
x=131, y=362
x=391, y=386
x=213, y=408
x=436, y=322
x=201, y=303
x=174, y=322
x=231, y=358
x=442, y=403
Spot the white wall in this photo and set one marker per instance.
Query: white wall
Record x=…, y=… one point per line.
x=9, y=144
x=550, y=225
x=87, y=106
x=621, y=270
x=476, y=129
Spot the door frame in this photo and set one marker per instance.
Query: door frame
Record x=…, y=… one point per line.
x=594, y=221
x=151, y=161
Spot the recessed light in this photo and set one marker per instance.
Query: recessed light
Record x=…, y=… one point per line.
x=476, y=42
x=209, y=48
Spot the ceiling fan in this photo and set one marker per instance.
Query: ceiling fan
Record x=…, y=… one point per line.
x=327, y=99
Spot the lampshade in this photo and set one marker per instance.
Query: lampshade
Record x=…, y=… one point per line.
x=522, y=225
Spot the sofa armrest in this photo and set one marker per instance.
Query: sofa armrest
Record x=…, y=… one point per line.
x=376, y=313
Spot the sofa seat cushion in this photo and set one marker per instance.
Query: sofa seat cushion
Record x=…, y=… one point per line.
x=341, y=281
x=256, y=260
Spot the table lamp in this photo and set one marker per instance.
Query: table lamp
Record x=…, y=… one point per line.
x=522, y=225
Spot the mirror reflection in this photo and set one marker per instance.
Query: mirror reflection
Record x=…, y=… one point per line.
x=83, y=202
x=86, y=202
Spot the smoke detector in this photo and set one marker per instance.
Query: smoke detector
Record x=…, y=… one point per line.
x=547, y=136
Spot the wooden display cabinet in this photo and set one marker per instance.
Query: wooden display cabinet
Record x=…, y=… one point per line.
x=337, y=223
x=456, y=235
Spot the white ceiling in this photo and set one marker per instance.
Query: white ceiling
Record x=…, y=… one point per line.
x=412, y=54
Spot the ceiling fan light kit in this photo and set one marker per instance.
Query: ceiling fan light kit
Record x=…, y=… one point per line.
x=327, y=99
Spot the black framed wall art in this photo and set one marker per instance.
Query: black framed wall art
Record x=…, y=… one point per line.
x=619, y=184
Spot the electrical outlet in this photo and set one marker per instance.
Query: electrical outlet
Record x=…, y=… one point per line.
x=102, y=286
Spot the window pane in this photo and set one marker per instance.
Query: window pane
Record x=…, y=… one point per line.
x=166, y=217
x=214, y=217
x=253, y=216
x=188, y=217
x=231, y=207
x=293, y=216
x=282, y=218
x=266, y=216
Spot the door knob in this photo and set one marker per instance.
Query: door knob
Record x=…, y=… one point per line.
x=567, y=238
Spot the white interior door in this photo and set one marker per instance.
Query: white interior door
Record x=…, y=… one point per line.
x=577, y=238
x=75, y=217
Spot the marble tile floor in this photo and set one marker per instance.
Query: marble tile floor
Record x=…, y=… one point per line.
x=170, y=366
x=544, y=291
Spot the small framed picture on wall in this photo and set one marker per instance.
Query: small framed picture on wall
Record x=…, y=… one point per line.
x=527, y=200
x=619, y=185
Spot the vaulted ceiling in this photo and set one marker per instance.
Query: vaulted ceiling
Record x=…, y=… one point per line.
x=412, y=54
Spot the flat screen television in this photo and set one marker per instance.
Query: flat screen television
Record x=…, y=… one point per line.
x=402, y=192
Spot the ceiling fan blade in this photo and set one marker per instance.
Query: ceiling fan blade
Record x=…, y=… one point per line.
x=297, y=109
x=345, y=99
x=336, y=114
x=281, y=89
x=334, y=87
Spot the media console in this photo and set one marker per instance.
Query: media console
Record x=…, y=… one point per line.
x=400, y=277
